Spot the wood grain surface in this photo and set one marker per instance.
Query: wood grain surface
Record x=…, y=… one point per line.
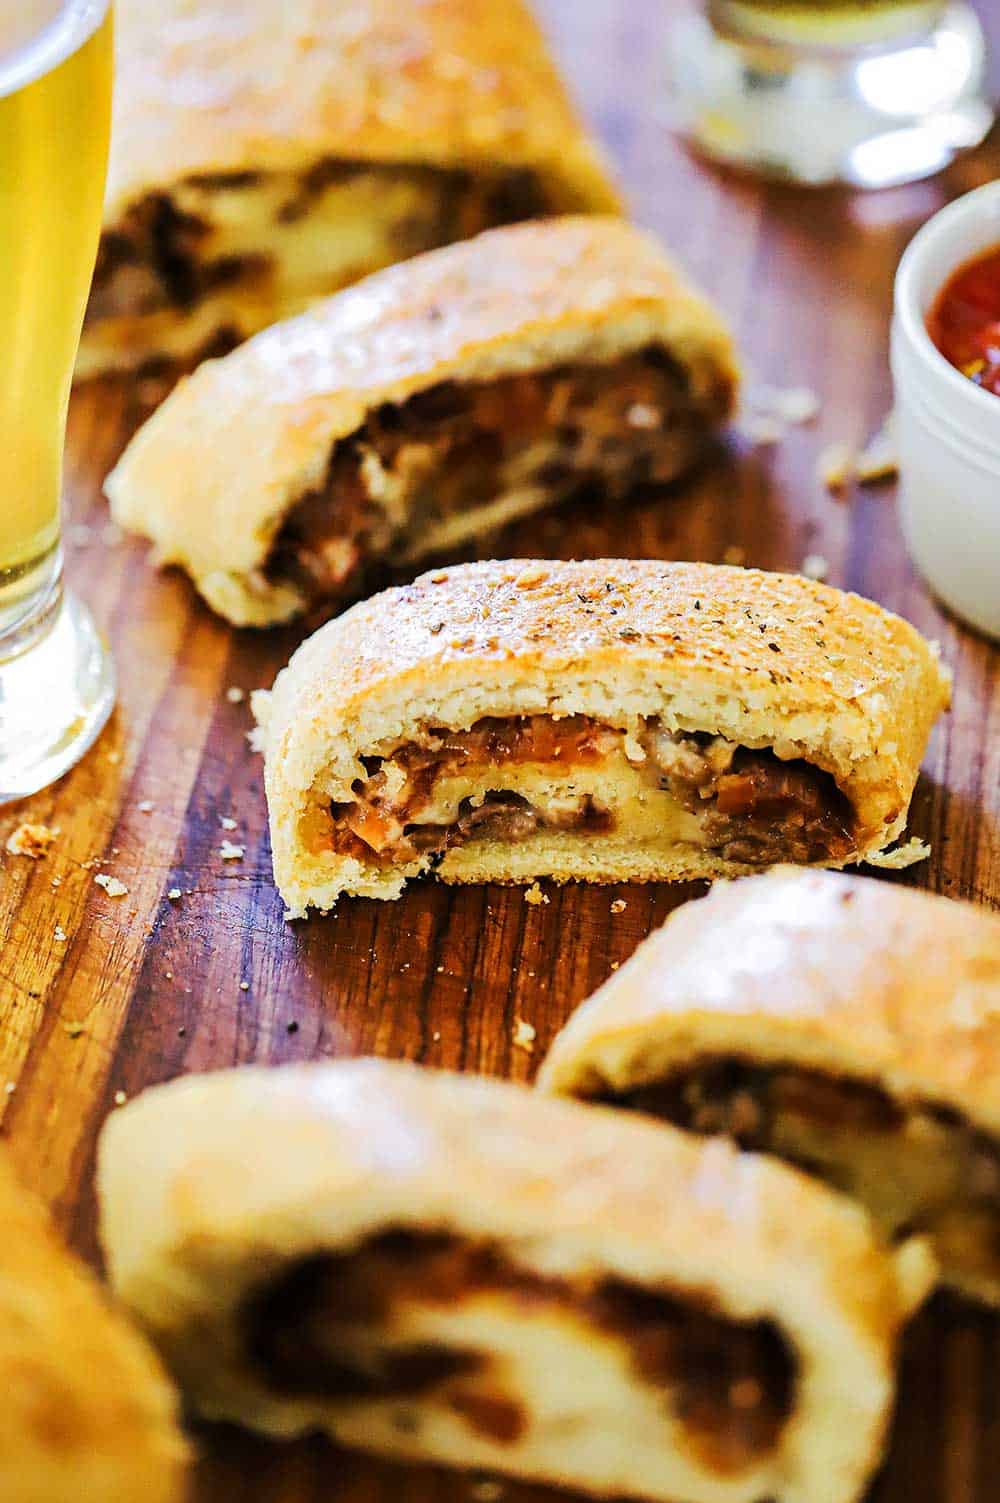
x=101, y=995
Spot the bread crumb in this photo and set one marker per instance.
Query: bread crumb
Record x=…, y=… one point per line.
x=174, y=895
x=120, y=1098
x=642, y=415
x=230, y=852
x=244, y=986
x=73, y=1029
x=797, y=405
x=111, y=885
x=837, y=466
x=903, y=856
x=524, y=1036
x=734, y=555
x=486, y=1492
x=436, y=1036
x=760, y=430
x=879, y=460
x=535, y=896
x=10, y=1087
x=615, y=964
x=235, y=695
x=31, y=840
x=57, y=881
x=227, y=823
x=619, y=905
x=146, y=806
x=60, y=935
x=815, y=566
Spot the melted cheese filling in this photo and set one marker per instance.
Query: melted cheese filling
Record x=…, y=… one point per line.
x=455, y=458
x=917, y=1169
x=540, y=776
x=235, y=254
x=423, y=1333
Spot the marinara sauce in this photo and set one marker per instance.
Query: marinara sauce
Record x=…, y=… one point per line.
x=964, y=322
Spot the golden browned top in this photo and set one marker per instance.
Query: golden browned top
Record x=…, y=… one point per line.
x=212, y=86
x=847, y=974
x=765, y=659
x=796, y=640
x=341, y=1149
x=212, y=474
x=86, y=1411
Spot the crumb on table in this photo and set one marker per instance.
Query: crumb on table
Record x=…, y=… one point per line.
x=524, y=1036
x=31, y=840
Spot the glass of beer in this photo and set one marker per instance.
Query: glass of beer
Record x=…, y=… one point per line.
x=56, y=678
x=866, y=92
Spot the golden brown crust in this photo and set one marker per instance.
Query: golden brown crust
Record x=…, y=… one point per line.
x=87, y=1413
x=763, y=659
x=212, y=475
x=343, y=1150
x=849, y=975
x=221, y=86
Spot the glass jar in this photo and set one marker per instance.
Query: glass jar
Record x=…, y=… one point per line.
x=867, y=92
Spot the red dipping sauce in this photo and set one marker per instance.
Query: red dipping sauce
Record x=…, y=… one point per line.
x=964, y=322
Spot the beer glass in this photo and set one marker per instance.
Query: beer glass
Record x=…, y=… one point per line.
x=867, y=92
x=56, y=678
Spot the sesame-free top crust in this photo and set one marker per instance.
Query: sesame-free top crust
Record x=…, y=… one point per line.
x=229, y=86
x=843, y=974
x=344, y=1150
x=212, y=475
x=766, y=660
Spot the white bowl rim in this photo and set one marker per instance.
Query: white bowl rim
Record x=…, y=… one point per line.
x=913, y=319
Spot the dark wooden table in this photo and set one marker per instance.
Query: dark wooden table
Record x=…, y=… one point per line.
x=143, y=988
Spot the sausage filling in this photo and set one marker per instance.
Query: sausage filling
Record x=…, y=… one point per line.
x=507, y=780
x=291, y=236
x=335, y=1326
x=428, y=473
x=917, y=1167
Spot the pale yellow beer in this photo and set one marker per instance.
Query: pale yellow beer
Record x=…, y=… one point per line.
x=831, y=22
x=55, y=117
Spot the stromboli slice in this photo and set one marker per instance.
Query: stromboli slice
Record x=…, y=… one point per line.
x=607, y=720
x=88, y=1415
x=843, y=1024
x=454, y=1269
x=267, y=154
x=435, y=400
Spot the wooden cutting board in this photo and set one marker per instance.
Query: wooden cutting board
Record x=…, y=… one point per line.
x=142, y=988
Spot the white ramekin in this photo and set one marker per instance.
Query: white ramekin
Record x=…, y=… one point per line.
x=947, y=429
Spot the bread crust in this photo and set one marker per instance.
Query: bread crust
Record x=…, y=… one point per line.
x=216, y=89
x=223, y=86
x=343, y=1150
x=846, y=685
x=212, y=475
x=87, y=1415
x=844, y=974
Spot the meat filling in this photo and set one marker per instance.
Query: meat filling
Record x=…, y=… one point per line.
x=172, y=250
x=917, y=1167
x=401, y=484
x=326, y=1329
x=509, y=779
